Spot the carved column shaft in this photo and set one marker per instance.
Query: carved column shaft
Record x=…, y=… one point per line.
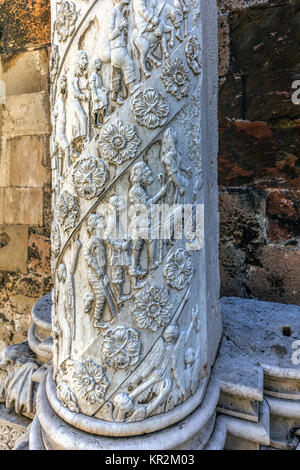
x=136, y=320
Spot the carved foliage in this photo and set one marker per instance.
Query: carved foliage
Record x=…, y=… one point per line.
x=67, y=211
x=67, y=397
x=65, y=20
x=55, y=239
x=8, y=437
x=192, y=51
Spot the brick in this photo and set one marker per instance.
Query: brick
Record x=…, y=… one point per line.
x=27, y=114
x=23, y=206
x=28, y=156
x=13, y=248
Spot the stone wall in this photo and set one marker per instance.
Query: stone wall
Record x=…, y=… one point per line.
x=259, y=166
x=24, y=163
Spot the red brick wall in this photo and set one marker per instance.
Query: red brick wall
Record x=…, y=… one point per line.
x=259, y=158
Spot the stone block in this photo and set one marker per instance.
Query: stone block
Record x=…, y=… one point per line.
x=277, y=279
x=39, y=254
x=26, y=114
x=13, y=248
x=28, y=155
x=1, y=205
x=4, y=161
x=26, y=72
x=258, y=153
x=283, y=209
x=23, y=206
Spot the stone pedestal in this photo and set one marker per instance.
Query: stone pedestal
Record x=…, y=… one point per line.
x=135, y=317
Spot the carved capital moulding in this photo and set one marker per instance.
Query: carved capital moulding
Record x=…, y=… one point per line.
x=135, y=317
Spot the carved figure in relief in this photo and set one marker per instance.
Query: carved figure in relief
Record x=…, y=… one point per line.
x=172, y=162
x=96, y=260
x=67, y=293
x=80, y=94
x=54, y=63
x=141, y=176
x=153, y=23
x=121, y=62
x=66, y=18
x=126, y=407
x=160, y=363
x=119, y=258
x=98, y=95
x=60, y=141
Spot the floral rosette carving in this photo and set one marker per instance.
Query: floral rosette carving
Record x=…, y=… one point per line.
x=121, y=347
x=118, y=142
x=152, y=308
x=179, y=269
x=89, y=177
x=192, y=51
x=176, y=78
x=90, y=382
x=150, y=108
x=67, y=211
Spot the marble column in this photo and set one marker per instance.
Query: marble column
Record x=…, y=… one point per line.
x=135, y=317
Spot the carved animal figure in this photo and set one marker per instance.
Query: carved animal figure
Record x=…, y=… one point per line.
x=153, y=23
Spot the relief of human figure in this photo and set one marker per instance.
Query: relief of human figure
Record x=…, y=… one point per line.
x=96, y=260
x=153, y=23
x=172, y=161
x=160, y=362
x=67, y=322
x=80, y=94
x=126, y=407
x=119, y=258
x=121, y=62
x=60, y=142
x=98, y=95
x=186, y=362
x=141, y=202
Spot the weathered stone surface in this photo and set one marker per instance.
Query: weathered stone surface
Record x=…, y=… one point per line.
x=24, y=22
x=259, y=142
x=13, y=248
x=29, y=161
x=39, y=253
x=26, y=114
x=31, y=65
x=23, y=206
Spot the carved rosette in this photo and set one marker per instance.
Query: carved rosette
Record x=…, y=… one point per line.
x=128, y=289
